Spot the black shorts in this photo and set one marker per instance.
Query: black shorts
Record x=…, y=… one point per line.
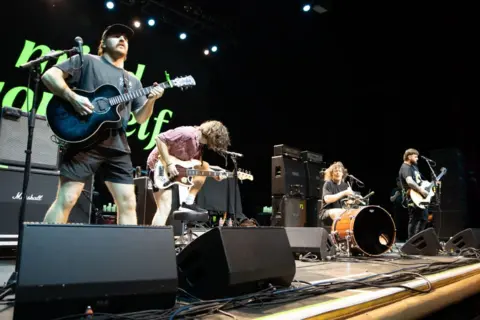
x=79, y=165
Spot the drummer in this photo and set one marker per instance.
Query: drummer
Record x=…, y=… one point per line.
x=334, y=190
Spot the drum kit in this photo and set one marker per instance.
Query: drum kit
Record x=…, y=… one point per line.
x=363, y=229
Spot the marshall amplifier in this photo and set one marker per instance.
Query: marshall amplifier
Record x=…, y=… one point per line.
x=14, y=136
x=42, y=190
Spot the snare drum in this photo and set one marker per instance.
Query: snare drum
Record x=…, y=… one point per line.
x=368, y=230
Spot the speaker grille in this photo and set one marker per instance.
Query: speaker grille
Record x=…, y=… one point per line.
x=14, y=136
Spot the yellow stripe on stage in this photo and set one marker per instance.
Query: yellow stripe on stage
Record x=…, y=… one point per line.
x=342, y=308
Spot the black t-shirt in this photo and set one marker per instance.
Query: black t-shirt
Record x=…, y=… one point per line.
x=330, y=188
x=407, y=170
x=97, y=71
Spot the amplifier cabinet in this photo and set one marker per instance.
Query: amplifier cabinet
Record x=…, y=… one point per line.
x=288, y=212
x=42, y=190
x=14, y=136
x=288, y=177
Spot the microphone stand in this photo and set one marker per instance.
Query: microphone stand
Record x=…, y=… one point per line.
x=437, y=187
x=235, y=180
x=35, y=74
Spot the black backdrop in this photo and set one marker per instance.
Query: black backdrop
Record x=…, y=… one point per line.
x=343, y=84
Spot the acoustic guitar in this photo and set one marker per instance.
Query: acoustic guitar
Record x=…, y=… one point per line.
x=70, y=127
x=418, y=199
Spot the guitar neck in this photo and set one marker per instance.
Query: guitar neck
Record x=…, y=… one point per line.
x=194, y=172
x=126, y=97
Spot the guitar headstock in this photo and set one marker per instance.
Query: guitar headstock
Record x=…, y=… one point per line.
x=244, y=175
x=443, y=170
x=184, y=82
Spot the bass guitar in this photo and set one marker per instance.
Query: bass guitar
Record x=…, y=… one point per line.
x=186, y=172
x=70, y=127
x=423, y=202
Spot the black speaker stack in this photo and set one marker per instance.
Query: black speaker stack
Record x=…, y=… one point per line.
x=297, y=182
x=43, y=180
x=452, y=216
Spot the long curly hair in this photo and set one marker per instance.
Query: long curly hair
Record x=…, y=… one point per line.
x=329, y=172
x=218, y=138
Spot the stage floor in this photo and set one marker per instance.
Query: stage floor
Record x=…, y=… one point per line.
x=351, y=302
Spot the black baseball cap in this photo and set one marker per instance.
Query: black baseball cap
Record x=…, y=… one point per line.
x=118, y=29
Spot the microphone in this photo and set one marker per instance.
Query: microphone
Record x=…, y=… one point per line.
x=233, y=154
x=355, y=179
x=79, y=42
x=427, y=159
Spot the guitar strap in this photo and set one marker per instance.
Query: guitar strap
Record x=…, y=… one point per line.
x=126, y=84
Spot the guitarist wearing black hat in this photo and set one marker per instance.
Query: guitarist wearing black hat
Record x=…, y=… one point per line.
x=411, y=180
x=110, y=150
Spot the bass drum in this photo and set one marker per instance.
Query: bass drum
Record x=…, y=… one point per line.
x=367, y=230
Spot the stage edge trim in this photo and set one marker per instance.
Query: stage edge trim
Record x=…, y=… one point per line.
x=422, y=305
x=360, y=303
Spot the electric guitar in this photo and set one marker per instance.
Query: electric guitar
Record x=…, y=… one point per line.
x=418, y=199
x=71, y=127
x=186, y=172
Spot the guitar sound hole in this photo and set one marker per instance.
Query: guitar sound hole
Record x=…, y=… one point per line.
x=101, y=105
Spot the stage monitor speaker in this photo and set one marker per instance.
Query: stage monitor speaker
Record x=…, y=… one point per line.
x=289, y=212
x=288, y=177
x=468, y=238
x=14, y=136
x=42, y=190
x=228, y=262
x=424, y=243
x=113, y=269
x=311, y=240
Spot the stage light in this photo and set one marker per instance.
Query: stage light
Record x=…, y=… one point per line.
x=206, y=52
x=151, y=22
x=137, y=24
x=214, y=49
x=183, y=36
x=306, y=8
x=110, y=5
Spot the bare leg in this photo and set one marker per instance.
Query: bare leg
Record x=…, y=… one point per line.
x=124, y=196
x=163, y=199
x=67, y=195
x=198, y=181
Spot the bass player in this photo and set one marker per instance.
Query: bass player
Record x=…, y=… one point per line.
x=110, y=150
x=411, y=179
x=185, y=143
